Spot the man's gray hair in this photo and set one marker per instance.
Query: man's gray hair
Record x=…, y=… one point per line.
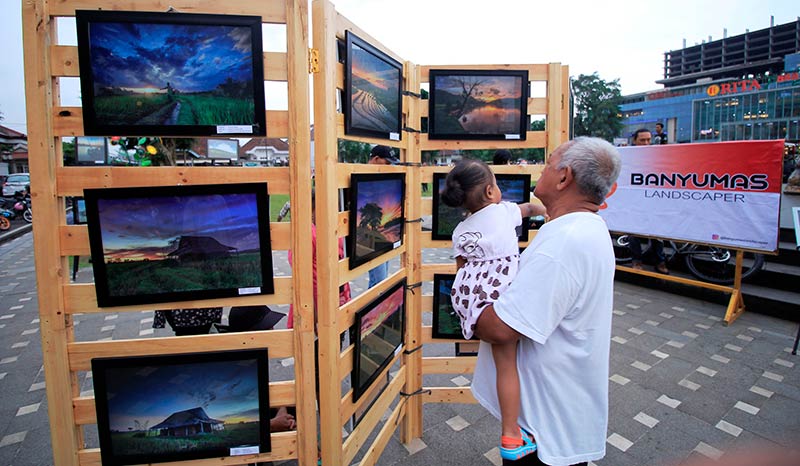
x=595, y=165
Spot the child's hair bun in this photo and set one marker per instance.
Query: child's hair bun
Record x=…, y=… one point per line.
x=453, y=195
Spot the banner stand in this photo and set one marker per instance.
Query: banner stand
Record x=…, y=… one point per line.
x=735, y=304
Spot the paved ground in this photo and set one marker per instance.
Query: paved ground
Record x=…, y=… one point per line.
x=682, y=383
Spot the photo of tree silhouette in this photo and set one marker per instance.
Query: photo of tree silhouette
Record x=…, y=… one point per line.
x=378, y=219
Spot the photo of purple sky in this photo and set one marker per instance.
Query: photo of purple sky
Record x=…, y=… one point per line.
x=147, y=228
x=142, y=58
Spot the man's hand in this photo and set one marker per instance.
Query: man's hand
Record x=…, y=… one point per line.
x=491, y=329
x=282, y=421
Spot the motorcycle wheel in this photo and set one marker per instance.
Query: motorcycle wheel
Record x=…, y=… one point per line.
x=5, y=223
x=28, y=215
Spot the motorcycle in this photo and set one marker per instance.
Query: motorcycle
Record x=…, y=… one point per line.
x=13, y=208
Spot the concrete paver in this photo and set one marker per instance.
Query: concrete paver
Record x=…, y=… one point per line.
x=682, y=384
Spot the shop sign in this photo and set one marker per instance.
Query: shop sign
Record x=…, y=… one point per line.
x=733, y=88
x=785, y=77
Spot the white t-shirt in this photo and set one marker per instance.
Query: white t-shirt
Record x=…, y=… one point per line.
x=561, y=302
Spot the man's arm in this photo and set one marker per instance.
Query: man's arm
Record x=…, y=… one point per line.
x=491, y=329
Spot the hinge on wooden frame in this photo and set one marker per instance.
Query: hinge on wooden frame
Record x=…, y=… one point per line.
x=313, y=61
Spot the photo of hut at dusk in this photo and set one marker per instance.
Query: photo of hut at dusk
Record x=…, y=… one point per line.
x=180, y=408
x=180, y=243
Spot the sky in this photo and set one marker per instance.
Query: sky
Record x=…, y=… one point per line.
x=623, y=40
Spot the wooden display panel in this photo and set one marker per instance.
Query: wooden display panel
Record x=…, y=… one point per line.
x=48, y=121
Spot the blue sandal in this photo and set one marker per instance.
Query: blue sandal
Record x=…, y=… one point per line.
x=528, y=446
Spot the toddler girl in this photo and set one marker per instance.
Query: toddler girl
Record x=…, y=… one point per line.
x=487, y=256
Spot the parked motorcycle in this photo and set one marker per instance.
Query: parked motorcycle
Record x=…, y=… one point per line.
x=19, y=206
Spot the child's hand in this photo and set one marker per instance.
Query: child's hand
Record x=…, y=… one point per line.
x=533, y=210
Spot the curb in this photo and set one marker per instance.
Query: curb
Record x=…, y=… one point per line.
x=9, y=235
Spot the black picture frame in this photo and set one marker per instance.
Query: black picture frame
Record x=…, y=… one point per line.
x=505, y=118
x=386, y=191
x=138, y=403
x=372, y=396
x=91, y=150
x=378, y=111
x=444, y=219
x=466, y=349
x=445, y=323
x=516, y=188
x=174, y=243
x=376, y=344
x=210, y=67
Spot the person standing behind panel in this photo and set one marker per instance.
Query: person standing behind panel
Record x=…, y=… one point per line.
x=642, y=137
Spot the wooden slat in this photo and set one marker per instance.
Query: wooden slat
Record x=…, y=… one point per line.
x=535, y=72
x=71, y=181
x=428, y=270
x=676, y=279
x=373, y=453
x=345, y=365
x=81, y=298
x=401, y=144
x=347, y=275
x=535, y=139
x=271, y=11
x=426, y=303
x=64, y=63
x=284, y=447
x=75, y=238
x=344, y=170
x=279, y=343
x=449, y=365
x=280, y=394
x=448, y=395
x=426, y=241
x=556, y=102
x=68, y=121
x=359, y=436
x=427, y=337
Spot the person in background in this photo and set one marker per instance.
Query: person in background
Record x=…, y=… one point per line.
x=557, y=310
x=642, y=137
x=188, y=321
x=502, y=157
x=660, y=137
x=380, y=155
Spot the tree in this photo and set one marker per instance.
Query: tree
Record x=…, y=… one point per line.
x=371, y=215
x=597, y=106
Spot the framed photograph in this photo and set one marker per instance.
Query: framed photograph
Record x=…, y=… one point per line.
x=446, y=324
x=174, y=243
x=78, y=211
x=170, y=74
x=91, y=150
x=516, y=188
x=154, y=409
x=223, y=149
x=373, y=105
x=478, y=104
x=444, y=218
x=469, y=348
x=372, y=396
x=377, y=215
x=379, y=337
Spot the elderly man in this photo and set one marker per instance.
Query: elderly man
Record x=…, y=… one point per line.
x=558, y=309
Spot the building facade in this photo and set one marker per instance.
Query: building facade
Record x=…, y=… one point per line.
x=739, y=88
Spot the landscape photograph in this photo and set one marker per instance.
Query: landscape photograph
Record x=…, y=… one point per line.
x=374, y=92
x=169, y=244
x=171, y=74
x=486, y=105
x=380, y=333
x=223, y=149
x=91, y=150
x=181, y=408
x=446, y=323
x=516, y=189
x=379, y=215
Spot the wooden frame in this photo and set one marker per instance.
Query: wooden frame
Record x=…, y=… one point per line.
x=46, y=62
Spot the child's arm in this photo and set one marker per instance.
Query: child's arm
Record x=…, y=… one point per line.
x=530, y=209
x=460, y=261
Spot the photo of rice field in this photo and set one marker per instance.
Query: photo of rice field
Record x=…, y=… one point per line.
x=171, y=74
x=373, y=92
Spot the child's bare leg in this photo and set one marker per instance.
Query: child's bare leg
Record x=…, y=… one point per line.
x=505, y=360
